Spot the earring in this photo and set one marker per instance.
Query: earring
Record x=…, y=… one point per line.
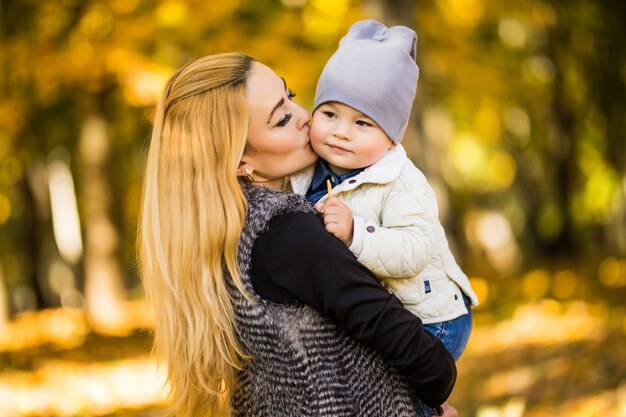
x=249, y=173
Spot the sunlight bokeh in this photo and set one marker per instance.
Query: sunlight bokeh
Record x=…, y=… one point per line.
x=518, y=126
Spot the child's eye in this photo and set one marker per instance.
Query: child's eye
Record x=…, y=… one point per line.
x=290, y=94
x=284, y=120
x=363, y=123
x=328, y=113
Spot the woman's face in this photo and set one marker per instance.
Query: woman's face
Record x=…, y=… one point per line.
x=278, y=134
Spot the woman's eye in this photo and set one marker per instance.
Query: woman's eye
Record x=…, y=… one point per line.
x=290, y=94
x=284, y=120
x=363, y=123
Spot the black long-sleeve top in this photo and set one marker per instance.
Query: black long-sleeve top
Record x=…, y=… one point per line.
x=296, y=260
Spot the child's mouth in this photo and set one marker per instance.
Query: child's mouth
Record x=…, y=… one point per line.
x=338, y=148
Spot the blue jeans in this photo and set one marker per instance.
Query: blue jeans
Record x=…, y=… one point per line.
x=454, y=333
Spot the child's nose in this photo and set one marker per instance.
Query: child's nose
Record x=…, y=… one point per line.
x=342, y=131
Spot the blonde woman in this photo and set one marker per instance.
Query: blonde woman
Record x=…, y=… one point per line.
x=259, y=311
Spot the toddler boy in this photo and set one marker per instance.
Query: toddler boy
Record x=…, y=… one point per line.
x=382, y=207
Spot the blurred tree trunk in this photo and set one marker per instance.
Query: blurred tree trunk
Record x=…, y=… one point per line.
x=104, y=290
x=34, y=237
x=560, y=157
x=607, y=94
x=611, y=82
x=4, y=301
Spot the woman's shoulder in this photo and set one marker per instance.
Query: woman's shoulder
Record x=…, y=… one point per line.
x=265, y=204
x=275, y=202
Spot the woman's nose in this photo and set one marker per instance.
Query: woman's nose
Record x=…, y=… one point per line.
x=304, y=117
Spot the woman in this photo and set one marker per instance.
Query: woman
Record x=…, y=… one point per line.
x=259, y=311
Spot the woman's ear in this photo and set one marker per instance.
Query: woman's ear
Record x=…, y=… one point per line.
x=245, y=171
x=241, y=169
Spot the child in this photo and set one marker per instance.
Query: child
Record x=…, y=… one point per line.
x=382, y=207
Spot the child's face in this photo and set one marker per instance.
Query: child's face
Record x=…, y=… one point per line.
x=346, y=138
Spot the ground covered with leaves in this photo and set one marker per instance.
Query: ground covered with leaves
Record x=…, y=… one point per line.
x=546, y=358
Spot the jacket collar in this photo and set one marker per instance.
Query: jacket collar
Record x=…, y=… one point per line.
x=386, y=170
x=323, y=172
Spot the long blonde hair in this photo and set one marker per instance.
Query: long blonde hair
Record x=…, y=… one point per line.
x=192, y=215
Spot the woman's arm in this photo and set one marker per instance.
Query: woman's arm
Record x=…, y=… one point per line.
x=296, y=259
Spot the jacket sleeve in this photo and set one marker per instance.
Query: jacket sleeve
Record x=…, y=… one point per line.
x=303, y=260
x=401, y=247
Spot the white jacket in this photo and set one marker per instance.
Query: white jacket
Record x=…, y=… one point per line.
x=398, y=236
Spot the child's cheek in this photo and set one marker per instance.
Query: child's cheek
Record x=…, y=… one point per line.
x=316, y=133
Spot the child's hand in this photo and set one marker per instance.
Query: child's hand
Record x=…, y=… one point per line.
x=447, y=410
x=337, y=219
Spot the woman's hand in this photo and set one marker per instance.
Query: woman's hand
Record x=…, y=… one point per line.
x=337, y=219
x=448, y=410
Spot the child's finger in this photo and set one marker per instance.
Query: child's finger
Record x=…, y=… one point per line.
x=338, y=205
x=332, y=213
x=333, y=229
x=328, y=209
x=335, y=219
x=335, y=204
x=319, y=207
x=331, y=219
x=340, y=210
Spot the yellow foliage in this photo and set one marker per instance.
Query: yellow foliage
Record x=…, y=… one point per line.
x=481, y=288
x=480, y=166
x=462, y=13
x=612, y=272
x=487, y=123
x=5, y=208
x=171, y=13
x=564, y=284
x=536, y=284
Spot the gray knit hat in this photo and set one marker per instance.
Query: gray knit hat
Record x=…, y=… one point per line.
x=374, y=72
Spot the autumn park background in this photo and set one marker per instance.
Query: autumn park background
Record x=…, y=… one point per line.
x=519, y=125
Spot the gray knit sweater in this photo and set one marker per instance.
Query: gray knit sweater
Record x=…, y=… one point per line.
x=303, y=364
